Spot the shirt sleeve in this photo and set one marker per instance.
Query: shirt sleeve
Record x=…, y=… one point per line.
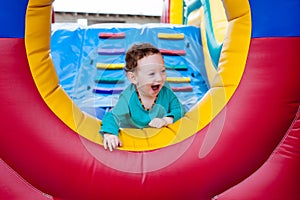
x=110, y=124
x=176, y=109
x=111, y=120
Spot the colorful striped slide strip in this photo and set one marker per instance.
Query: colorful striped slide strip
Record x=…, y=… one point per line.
x=112, y=35
x=179, y=79
x=121, y=80
x=101, y=90
x=115, y=51
x=182, y=89
x=171, y=36
x=109, y=80
x=172, y=52
x=177, y=67
x=113, y=66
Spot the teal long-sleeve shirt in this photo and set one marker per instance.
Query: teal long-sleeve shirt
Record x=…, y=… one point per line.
x=129, y=112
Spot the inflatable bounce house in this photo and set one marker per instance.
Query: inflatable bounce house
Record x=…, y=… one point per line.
x=234, y=65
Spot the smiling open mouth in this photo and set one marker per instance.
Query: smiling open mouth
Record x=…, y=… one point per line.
x=155, y=88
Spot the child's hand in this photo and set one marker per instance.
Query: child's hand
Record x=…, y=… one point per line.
x=169, y=120
x=111, y=141
x=161, y=122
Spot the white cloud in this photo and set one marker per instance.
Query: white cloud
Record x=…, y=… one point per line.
x=133, y=7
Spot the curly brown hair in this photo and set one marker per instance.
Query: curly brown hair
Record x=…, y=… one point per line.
x=137, y=52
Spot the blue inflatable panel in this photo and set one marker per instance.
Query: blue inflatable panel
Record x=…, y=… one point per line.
x=275, y=24
x=12, y=17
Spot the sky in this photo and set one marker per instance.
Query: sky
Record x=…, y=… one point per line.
x=132, y=7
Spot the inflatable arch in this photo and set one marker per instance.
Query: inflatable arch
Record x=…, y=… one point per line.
x=241, y=141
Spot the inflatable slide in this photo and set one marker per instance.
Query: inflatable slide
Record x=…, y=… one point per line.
x=239, y=141
x=93, y=72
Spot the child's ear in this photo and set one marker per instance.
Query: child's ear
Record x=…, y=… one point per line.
x=131, y=77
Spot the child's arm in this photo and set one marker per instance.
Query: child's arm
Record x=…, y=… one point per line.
x=176, y=109
x=110, y=123
x=109, y=131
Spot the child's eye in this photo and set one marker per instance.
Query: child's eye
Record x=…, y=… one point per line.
x=163, y=71
x=151, y=74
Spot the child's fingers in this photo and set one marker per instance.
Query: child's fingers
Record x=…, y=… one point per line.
x=109, y=142
x=153, y=123
x=157, y=123
x=114, y=143
x=105, y=143
x=110, y=146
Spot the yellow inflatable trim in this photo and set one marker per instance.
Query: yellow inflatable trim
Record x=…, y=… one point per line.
x=223, y=86
x=219, y=21
x=211, y=71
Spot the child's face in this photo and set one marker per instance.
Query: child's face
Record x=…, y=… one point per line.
x=150, y=75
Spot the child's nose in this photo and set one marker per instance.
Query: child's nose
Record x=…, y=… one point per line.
x=158, y=77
